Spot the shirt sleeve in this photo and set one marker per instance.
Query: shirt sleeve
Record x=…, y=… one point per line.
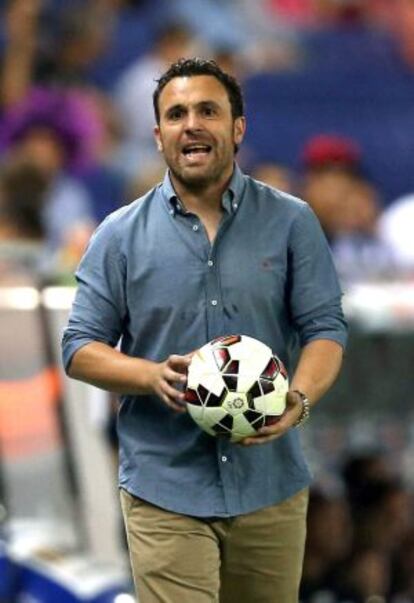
x=99, y=308
x=315, y=293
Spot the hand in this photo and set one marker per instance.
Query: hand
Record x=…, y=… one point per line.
x=166, y=376
x=291, y=414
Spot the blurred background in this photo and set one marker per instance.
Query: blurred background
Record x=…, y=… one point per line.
x=329, y=90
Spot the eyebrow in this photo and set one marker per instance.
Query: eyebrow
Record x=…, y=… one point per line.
x=174, y=108
x=199, y=105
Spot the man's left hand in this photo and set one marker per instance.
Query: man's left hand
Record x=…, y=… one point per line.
x=287, y=420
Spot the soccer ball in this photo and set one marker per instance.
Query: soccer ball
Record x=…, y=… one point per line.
x=235, y=385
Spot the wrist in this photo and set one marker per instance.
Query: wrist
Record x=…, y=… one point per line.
x=147, y=372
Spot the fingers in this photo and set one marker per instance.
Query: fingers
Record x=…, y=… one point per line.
x=179, y=364
x=174, y=378
x=267, y=434
x=172, y=397
x=286, y=421
x=176, y=406
x=255, y=440
x=264, y=435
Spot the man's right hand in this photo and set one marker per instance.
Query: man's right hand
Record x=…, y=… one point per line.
x=168, y=379
x=105, y=367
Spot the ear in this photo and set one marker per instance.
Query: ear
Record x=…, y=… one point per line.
x=239, y=129
x=157, y=136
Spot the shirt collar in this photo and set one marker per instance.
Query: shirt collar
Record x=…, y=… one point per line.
x=230, y=201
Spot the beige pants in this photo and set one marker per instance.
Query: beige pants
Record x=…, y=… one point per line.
x=253, y=558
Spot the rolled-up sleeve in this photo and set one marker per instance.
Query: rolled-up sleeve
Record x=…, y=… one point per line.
x=99, y=308
x=315, y=293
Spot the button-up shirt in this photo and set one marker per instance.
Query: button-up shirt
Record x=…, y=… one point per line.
x=152, y=280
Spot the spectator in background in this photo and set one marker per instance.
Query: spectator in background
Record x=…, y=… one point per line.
x=20, y=20
x=23, y=252
x=133, y=27
x=379, y=501
x=362, y=468
x=307, y=14
x=332, y=170
x=60, y=55
x=367, y=577
x=347, y=205
x=216, y=24
x=83, y=42
x=250, y=30
x=39, y=77
x=329, y=541
x=274, y=174
x=403, y=582
x=400, y=22
x=45, y=130
x=381, y=515
x=133, y=98
x=139, y=185
x=327, y=12
x=395, y=228
x=360, y=544
x=79, y=38
x=292, y=13
x=382, y=519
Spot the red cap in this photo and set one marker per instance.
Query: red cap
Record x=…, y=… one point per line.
x=327, y=149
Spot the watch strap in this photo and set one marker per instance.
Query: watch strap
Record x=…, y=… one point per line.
x=305, y=414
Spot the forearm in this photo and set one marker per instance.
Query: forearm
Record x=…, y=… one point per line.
x=100, y=365
x=15, y=77
x=318, y=367
x=21, y=26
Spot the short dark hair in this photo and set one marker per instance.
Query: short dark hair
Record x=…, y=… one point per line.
x=199, y=66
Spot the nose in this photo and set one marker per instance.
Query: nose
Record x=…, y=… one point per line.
x=192, y=122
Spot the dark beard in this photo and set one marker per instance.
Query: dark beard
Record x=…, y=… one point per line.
x=194, y=185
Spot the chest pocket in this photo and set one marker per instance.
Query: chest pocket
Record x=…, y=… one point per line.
x=256, y=275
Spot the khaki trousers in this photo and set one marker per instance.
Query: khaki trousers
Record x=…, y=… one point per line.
x=253, y=558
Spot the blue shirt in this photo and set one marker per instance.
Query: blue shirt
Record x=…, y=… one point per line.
x=151, y=277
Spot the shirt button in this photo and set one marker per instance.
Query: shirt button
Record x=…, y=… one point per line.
x=210, y=263
x=224, y=459
x=195, y=227
x=214, y=302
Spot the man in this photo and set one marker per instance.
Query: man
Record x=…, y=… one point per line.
x=208, y=252
x=347, y=205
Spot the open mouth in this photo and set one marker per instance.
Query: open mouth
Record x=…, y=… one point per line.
x=196, y=151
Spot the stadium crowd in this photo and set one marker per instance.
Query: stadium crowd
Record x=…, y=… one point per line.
x=76, y=82
x=329, y=89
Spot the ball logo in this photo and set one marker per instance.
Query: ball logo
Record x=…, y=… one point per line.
x=236, y=403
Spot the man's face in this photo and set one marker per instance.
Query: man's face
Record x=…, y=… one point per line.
x=197, y=132
x=43, y=148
